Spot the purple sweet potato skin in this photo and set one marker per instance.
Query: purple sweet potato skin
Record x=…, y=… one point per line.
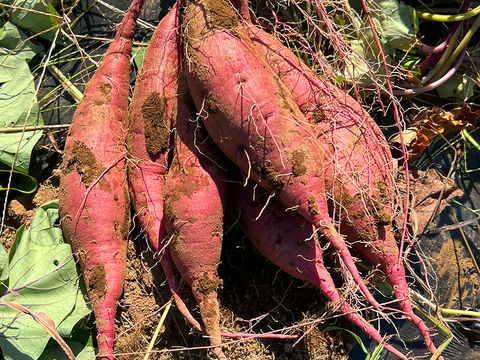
x=291, y=243
x=254, y=120
x=195, y=199
x=151, y=115
x=357, y=166
x=94, y=203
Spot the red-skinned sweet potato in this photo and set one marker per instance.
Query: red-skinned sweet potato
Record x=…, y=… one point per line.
x=150, y=126
x=357, y=166
x=94, y=203
x=254, y=120
x=150, y=136
x=195, y=199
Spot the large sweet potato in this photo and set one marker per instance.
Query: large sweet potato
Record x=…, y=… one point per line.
x=357, y=165
x=195, y=199
x=94, y=202
x=254, y=120
x=150, y=117
x=150, y=139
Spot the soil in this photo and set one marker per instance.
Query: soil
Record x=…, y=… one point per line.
x=457, y=273
x=255, y=297
x=156, y=131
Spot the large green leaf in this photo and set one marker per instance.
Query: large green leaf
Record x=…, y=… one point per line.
x=36, y=16
x=396, y=24
x=42, y=276
x=14, y=42
x=81, y=352
x=18, y=104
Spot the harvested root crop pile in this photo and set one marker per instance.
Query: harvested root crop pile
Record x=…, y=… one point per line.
x=223, y=113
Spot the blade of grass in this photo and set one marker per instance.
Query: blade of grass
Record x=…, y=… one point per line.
x=466, y=137
x=157, y=330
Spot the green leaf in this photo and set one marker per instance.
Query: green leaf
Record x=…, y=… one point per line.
x=137, y=56
x=356, y=65
x=14, y=42
x=43, y=277
x=18, y=103
x=20, y=181
x=411, y=63
x=385, y=289
x=81, y=352
x=35, y=16
x=14, y=47
x=459, y=86
x=20, y=107
x=396, y=24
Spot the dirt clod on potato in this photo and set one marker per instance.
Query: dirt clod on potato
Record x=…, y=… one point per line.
x=95, y=279
x=154, y=115
x=105, y=89
x=85, y=163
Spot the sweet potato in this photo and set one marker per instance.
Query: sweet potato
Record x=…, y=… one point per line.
x=290, y=242
x=150, y=127
x=357, y=165
x=94, y=203
x=253, y=119
x=149, y=138
x=151, y=116
x=195, y=199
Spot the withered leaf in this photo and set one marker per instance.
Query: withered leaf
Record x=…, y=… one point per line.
x=428, y=124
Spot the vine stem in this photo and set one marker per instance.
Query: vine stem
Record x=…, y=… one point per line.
x=448, y=18
x=446, y=39
x=434, y=84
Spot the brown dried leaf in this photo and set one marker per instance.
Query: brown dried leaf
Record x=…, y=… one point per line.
x=425, y=190
x=428, y=124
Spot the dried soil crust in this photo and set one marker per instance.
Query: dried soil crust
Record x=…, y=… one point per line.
x=21, y=209
x=457, y=273
x=252, y=288
x=156, y=133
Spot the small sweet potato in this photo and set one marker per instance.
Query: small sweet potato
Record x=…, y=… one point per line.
x=195, y=199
